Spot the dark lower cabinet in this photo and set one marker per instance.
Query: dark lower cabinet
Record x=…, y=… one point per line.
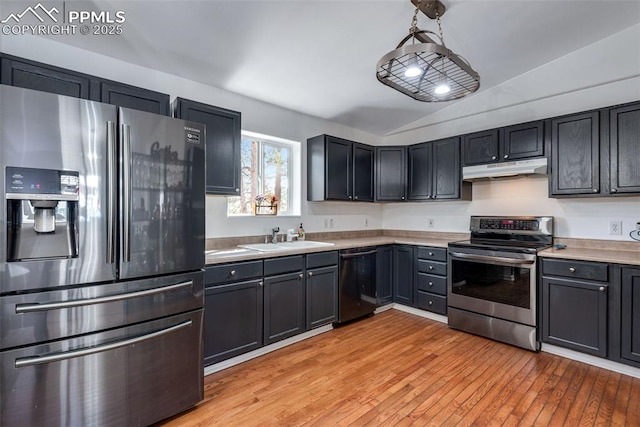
x=384, y=275
x=134, y=97
x=284, y=304
x=222, y=143
x=630, y=324
x=575, y=314
x=431, y=279
x=232, y=320
x=322, y=296
x=47, y=78
x=403, y=275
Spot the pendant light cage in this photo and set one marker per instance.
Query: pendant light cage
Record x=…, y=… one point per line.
x=438, y=65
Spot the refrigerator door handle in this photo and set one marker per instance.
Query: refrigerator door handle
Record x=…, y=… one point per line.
x=56, y=357
x=111, y=192
x=125, y=136
x=35, y=307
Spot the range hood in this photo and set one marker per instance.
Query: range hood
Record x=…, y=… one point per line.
x=505, y=169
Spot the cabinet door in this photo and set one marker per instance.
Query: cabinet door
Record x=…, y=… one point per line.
x=322, y=296
x=575, y=155
x=420, y=184
x=480, y=147
x=574, y=315
x=338, y=177
x=223, y=141
x=134, y=97
x=446, y=169
x=522, y=141
x=283, y=306
x=630, y=339
x=624, y=128
x=391, y=174
x=403, y=275
x=232, y=320
x=384, y=275
x=363, y=164
x=46, y=78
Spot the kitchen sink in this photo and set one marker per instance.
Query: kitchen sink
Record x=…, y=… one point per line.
x=285, y=246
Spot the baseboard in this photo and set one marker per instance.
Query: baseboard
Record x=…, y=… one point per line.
x=217, y=367
x=592, y=360
x=422, y=313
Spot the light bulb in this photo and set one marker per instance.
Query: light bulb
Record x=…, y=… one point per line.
x=412, y=69
x=442, y=88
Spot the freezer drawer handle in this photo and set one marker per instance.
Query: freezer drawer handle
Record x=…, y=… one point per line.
x=34, y=307
x=56, y=357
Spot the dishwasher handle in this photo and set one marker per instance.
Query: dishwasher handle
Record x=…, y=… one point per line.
x=357, y=254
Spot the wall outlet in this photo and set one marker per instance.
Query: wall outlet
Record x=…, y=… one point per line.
x=366, y=222
x=330, y=222
x=326, y=223
x=430, y=223
x=615, y=227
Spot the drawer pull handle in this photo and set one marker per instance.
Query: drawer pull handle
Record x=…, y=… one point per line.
x=301, y=275
x=572, y=269
x=261, y=283
x=430, y=283
x=602, y=289
x=431, y=267
x=232, y=272
x=430, y=302
x=430, y=253
x=310, y=273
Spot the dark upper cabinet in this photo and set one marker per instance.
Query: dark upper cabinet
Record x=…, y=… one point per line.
x=575, y=155
x=481, y=147
x=624, y=140
x=338, y=169
x=33, y=75
x=391, y=174
x=363, y=176
x=630, y=334
x=434, y=171
x=384, y=275
x=134, y=97
x=223, y=139
x=403, y=274
x=522, y=141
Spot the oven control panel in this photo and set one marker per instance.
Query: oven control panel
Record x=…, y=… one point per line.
x=513, y=225
x=509, y=224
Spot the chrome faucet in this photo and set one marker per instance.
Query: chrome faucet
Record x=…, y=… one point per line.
x=274, y=234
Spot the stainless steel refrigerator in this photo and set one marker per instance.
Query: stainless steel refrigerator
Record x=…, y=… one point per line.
x=101, y=262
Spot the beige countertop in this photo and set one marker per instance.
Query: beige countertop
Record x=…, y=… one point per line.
x=590, y=254
x=234, y=254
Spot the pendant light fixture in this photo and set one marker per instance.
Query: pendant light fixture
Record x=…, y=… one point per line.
x=423, y=69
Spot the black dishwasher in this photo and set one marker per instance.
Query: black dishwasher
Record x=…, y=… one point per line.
x=357, y=295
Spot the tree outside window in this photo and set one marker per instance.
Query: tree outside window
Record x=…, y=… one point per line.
x=266, y=169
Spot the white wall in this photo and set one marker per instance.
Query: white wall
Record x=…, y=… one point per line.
x=581, y=218
x=257, y=117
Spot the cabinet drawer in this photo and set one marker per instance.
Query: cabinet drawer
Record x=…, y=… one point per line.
x=322, y=259
x=432, y=302
x=225, y=273
x=576, y=269
x=431, y=267
x=433, y=284
x=433, y=254
x=283, y=265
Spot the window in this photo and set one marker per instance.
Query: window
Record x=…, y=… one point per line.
x=269, y=166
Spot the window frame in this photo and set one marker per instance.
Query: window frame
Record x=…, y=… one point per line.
x=294, y=166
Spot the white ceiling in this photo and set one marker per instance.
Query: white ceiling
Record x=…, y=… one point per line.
x=319, y=56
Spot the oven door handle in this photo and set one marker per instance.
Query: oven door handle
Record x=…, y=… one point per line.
x=57, y=357
x=505, y=260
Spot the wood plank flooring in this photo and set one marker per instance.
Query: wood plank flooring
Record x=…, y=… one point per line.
x=396, y=369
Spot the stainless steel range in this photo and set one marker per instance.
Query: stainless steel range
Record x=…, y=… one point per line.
x=492, y=283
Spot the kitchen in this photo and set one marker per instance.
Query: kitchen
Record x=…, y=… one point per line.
x=523, y=98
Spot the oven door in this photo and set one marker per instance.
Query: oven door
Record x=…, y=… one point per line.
x=493, y=283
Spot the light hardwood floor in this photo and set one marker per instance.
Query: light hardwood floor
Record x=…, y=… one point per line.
x=398, y=369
